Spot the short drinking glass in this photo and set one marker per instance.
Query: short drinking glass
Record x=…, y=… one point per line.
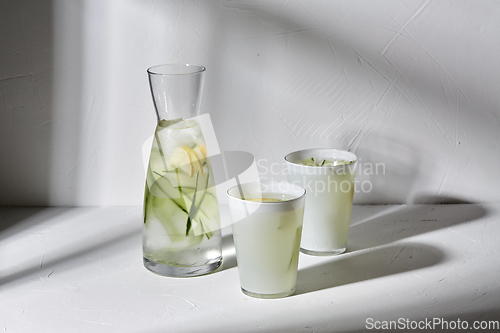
x=328, y=175
x=267, y=227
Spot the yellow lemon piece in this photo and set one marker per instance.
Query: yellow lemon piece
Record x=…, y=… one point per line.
x=194, y=160
x=203, y=151
x=180, y=158
x=264, y=200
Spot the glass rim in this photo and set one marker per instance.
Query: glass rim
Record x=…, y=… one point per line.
x=303, y=193
x=319, y=166
x=174, y=69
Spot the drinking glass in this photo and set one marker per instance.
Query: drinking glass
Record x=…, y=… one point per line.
x=329, y=196
x=267, y=227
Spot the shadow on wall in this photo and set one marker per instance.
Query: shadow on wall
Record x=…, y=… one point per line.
x=39, y=134
x=26, y=122
x=405, y=70
x=387, y=183
x=311, y=92
x=40, y=99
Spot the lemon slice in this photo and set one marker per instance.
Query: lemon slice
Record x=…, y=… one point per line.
x=181, y=159
x=264, y=200
x=195, y=160
x=188, y=160
x=203, y=150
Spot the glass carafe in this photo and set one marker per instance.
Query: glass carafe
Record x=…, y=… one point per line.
x=181, y=231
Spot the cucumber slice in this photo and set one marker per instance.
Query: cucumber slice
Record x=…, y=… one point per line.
x=180, y=192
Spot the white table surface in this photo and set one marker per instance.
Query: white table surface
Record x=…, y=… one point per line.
x=80, y=270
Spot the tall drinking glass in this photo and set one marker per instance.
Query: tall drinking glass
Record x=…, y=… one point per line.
x=267, y=227
x=328, y=175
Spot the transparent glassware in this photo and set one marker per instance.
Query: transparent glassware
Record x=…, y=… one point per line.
x=181, y=231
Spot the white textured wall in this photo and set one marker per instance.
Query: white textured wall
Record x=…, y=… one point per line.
x=414, y=85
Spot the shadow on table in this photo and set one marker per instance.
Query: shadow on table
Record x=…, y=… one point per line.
x=400, y=222
x=77, y=256
x=70, y=260
x=16, y=219
x=366, y=265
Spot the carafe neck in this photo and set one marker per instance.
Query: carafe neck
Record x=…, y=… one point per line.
x=177, y=90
